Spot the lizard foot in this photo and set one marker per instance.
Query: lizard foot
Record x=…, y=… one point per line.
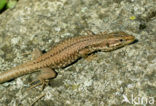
x=43, y=79
x=36, y=83
x=40, y=96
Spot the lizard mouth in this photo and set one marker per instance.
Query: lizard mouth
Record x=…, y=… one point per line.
x=130, y=39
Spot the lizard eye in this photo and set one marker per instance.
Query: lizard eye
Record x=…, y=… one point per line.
x=121, y=40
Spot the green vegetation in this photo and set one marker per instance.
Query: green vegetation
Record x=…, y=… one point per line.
x=11, y=3
x=7, y=4
x=2, y=4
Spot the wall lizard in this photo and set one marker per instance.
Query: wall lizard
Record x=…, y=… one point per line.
x=66, y=52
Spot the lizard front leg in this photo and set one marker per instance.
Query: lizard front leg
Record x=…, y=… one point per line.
x=84, y=53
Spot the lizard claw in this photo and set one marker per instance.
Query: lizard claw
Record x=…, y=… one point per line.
x=36, y=83
x=44, y=83
x=43, y=79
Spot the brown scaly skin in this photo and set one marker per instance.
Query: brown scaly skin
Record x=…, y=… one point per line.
x=67, y=52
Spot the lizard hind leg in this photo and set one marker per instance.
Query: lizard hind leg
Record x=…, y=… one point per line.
x=43, y=79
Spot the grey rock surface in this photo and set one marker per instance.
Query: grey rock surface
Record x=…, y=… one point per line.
x=123, y=77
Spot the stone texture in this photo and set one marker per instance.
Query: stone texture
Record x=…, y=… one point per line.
x=108, y=79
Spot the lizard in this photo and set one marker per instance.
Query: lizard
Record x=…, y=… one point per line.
x=67, y=52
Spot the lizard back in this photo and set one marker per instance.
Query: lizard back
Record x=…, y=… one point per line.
x=68, y=51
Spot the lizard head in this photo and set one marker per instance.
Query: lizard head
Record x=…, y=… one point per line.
x=114, y=41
